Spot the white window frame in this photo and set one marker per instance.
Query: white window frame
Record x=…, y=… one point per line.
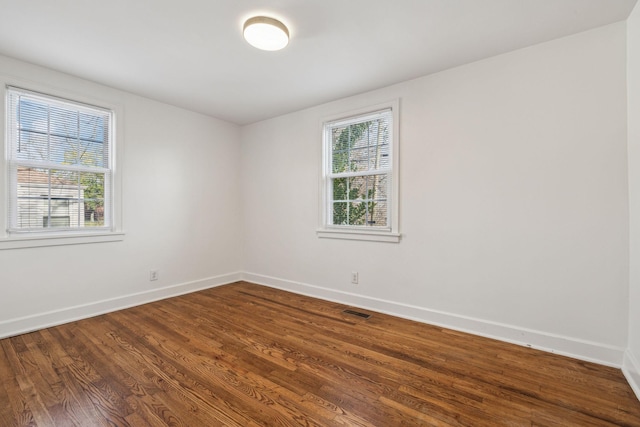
x=18, y=240
x=391, y=233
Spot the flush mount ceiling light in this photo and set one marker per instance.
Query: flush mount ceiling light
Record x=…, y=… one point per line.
x=266, y=33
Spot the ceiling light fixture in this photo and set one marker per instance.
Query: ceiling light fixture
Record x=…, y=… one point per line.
x=266, y=33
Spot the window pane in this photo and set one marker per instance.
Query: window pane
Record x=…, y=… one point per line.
x=31, y=212
x=93, y=194
x=341, y=138
x=91, y=127
x=33, y=197
x=65, y=198
x=378, y=214
x=378, y=157
x=94, y=137
x=360, y=135
x=358, y=188
x=340, y=213
x=63, y=150
x=357, y=213
x=63, y=122
x=378, y=187
x=64, y=184
x=340, y=189
x=340, y=161
x=92, y=153
x=359, y=160
x=32, y=146
x=33, y=116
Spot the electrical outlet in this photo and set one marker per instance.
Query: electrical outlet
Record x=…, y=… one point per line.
x=354, y=277
x=153, y=275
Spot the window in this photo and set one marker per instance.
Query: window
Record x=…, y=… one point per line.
x=360, y=176
x=59, y=163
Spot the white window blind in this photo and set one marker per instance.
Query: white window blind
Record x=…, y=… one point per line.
x=358, y=171
x=59, y=159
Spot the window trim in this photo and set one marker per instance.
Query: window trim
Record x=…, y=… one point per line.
x=388, y=234
x=28, y=239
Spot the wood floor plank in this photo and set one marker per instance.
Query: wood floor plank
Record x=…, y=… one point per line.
x=181, y=380
x=19, y=411
x=71, y=393
x=249, y=355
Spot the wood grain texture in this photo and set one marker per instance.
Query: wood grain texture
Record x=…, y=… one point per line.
x=248, y=355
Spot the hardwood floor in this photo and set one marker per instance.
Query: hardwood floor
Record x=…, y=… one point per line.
x=247, y=355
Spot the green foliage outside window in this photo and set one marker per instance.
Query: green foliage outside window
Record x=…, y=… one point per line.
x=354, y=197
x=91, y=183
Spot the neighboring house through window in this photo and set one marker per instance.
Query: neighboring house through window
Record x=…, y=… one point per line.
x=360, y=176
x=59, y=162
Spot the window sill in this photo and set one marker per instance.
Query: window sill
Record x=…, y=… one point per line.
x=40, y=240
x=365, y=235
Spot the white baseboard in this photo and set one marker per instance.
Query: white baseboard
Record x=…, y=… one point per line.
x=567, y=346
x=631, y=370
x=572, y=347
x=31, y=323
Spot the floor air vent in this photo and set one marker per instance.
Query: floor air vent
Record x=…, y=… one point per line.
x=357, y=313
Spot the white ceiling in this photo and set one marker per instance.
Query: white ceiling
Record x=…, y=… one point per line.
x=190, y=53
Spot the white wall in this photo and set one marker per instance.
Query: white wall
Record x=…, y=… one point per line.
x=180, y=213
x=631, y=366
x=513, y=203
